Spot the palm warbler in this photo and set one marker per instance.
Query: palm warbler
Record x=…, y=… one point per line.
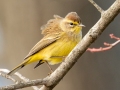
x=60, y=36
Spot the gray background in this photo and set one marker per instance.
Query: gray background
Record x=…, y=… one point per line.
x=20, y=22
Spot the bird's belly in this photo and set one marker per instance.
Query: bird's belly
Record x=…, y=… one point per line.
x=57, y=51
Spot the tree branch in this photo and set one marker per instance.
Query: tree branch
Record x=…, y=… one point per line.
x=106, y=18
x=25, y=84
x=97, y=6
x=17, y=82
x=108, y=46
x=6, y=76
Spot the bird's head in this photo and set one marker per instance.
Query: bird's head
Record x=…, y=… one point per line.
x=71, y=23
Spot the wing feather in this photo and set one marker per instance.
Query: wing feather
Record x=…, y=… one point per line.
x=43, y=43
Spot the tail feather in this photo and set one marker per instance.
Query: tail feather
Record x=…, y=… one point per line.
x=18, y=67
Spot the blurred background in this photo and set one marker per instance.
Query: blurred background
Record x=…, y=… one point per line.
x=20, y=22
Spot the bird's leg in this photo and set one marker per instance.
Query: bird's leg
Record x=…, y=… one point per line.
x=49, y=67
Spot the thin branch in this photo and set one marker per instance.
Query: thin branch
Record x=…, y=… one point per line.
x=25, y=84
x=108, y=46
x=114, y=37
x=6, y=76
x=16, y=74
x=97, y=6
x=25, y=80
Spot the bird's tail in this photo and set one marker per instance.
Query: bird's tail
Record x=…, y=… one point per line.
x=18, y=67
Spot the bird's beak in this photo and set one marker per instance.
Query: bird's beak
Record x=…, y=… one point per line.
x=82, y=25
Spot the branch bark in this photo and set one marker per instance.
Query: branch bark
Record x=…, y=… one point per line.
x=97, y=6
x=22, y=78
x=24, y=84
x=106, y=18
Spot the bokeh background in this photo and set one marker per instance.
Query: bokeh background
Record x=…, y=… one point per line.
x=20, y=22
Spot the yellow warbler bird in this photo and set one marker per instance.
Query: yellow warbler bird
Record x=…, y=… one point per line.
x=61, y=35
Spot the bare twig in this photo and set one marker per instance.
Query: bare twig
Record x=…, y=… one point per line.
x=108, y=46
x=97, y=6
x=25, y=80
x=6, y=76
x=25, y=84
x=114, y=37
x=18, y=75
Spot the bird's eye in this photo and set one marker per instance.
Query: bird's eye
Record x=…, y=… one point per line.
x=71, y=23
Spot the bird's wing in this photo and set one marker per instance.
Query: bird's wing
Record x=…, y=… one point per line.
x=46, y=41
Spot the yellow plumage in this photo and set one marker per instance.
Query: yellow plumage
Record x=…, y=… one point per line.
x=55, y=52
x=61, y=35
